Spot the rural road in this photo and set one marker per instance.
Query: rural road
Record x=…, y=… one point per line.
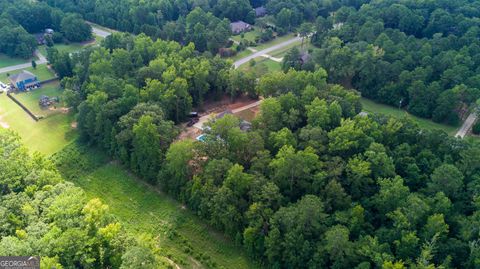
x=467, y=125
x=41, y=60
x=260, y=53
x=100, y=32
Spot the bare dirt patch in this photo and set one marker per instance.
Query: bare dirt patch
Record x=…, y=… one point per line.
x=3, y=124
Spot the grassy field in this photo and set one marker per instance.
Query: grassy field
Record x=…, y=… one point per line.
x=8, y=61
x=263, y=65
x=141, y=208
x=71, y=47
x=281, y=52
x=42, y=72
x=48, y=135
x=250, y=36
x=275, y=41
x=30, y=99
x=372, y=107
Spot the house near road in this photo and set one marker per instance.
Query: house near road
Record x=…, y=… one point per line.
x=24, y=80
x=240, y=27
x=260, y=11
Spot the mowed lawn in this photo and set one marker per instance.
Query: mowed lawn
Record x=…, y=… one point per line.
x=30, y=99
x=262, y=66
x=141, y=208
x=249, y=36
x=42, y=72
x=48, y=135
x=372, y=107
x=72, y=47
x=8, y=61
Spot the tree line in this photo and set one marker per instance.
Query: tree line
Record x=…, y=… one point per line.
x=417, y=55
x=20, y=19
x=314, y=184
x=43, y=215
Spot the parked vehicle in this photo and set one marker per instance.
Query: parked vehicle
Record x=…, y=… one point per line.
x=192, y=122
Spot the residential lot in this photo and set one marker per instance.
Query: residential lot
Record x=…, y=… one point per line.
x=48, y=135
x=42, y=72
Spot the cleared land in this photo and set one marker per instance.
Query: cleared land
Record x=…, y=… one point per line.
x=250, y=36
x=48, y=135
x=372, y=107
x=42, y=72
x=72, y=47
x=8, y=61
x=30, y=99
x=262, y=66
x=141, y=208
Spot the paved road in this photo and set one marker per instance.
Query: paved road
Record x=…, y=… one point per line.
x=100, y=32
x=260, y=53
x=467, y=125
x=41, y=60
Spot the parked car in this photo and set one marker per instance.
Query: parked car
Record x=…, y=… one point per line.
x=192, y=122
x=193, y=114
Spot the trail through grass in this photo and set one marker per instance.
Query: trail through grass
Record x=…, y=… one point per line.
x=142, y=208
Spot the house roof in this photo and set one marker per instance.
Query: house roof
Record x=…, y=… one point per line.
x=22, y=76
x=239, y=26
x=260, y=11
x=305, y=57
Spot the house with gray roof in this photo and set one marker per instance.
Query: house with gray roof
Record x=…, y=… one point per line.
x=240, y=27
x=23, y=80
x=260, y=11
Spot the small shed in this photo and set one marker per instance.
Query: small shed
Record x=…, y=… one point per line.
x=49, y=31
x=24, y=80
x=240, y=27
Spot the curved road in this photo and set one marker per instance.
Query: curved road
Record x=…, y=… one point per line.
x=467, y=125
x=41, y=60
x=266, y=51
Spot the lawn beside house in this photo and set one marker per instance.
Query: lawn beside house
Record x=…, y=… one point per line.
x=42, y=72
x=30, y=99
x=9, y=61
x=47, y=136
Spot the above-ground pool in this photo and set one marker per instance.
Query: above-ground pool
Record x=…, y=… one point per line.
x=201, y=137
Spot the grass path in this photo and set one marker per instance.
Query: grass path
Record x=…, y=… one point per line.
x=141, y=208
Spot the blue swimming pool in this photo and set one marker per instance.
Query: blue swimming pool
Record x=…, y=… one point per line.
x=201, y=137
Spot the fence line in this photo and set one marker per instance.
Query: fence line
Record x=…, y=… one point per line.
x=34, y=117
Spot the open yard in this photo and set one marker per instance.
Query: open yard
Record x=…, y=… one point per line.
x=71, y=47
x=8, y=61
x=262, y=66
x=48, y=135
x=250, y=36
x=142, y=208
x=42, y=72
x=372, y=107
x=30, y=99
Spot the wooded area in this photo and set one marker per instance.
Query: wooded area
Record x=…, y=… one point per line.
x=314, y=183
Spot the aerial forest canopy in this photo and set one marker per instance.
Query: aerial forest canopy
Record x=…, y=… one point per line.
x=43, y=215
x=419, y=55
x=314, y=184
x=20, y=19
